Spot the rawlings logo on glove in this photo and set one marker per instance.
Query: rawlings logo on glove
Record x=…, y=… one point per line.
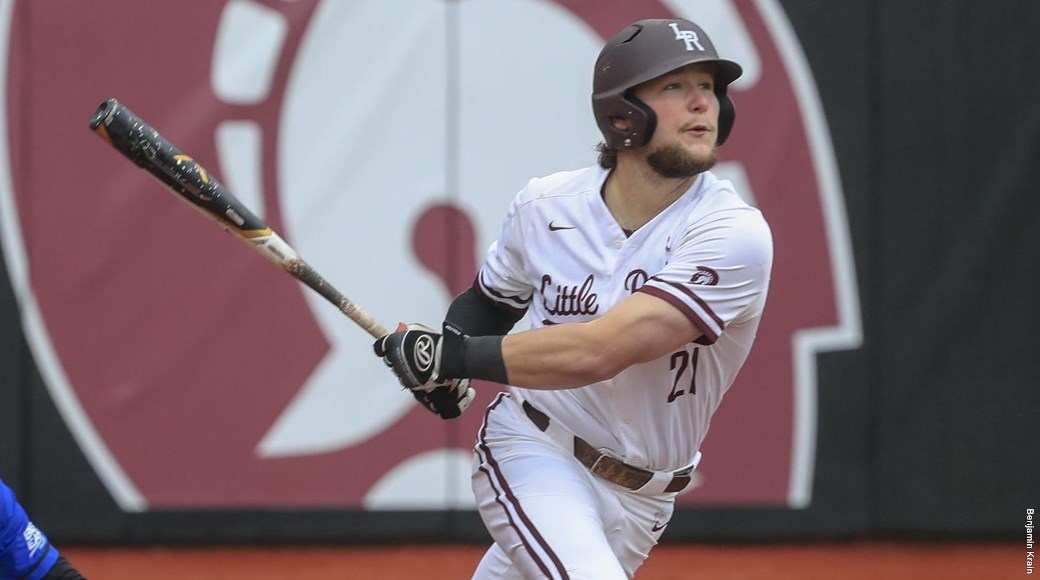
x=424, y=353
x=412, y=352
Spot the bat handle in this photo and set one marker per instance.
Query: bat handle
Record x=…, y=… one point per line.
x=303, y=272
x=363, y=319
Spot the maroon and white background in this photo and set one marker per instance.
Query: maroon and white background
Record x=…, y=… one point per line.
x=384, y=141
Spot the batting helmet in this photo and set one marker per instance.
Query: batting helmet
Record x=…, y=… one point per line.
x=645, y=50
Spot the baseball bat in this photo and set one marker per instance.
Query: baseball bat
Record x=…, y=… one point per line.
x=190, y=181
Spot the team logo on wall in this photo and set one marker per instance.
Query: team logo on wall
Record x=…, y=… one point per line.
x=384, y=144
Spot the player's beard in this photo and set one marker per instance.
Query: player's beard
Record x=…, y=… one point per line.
x=675, y=162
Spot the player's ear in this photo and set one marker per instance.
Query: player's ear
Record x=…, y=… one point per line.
x=621, y=123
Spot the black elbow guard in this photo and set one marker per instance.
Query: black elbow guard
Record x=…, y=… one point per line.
x=475, y=315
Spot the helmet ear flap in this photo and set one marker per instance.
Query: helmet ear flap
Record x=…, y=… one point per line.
x=727, y=115
x=642, y=123
x=640, y=117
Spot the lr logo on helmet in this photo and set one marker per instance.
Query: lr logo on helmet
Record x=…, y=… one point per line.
x=687, y=36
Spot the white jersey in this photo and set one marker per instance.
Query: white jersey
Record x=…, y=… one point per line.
x=563, y=257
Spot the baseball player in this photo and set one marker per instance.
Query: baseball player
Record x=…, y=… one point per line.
x=25, y=551
x=645, y=277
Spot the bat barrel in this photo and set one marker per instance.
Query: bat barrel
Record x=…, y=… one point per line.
x=148, y=149
x=131, y=136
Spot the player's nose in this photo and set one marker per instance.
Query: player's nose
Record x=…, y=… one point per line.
x=698, y=101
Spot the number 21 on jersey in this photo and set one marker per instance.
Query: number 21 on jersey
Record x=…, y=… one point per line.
x=684, y=365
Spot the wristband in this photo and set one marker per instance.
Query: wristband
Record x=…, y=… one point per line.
x=482, y=359
x=477, y=357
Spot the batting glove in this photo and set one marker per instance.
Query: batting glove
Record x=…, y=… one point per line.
x=414, y=353
x=448, y=401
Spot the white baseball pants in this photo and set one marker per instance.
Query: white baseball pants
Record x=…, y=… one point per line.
x=549, y=516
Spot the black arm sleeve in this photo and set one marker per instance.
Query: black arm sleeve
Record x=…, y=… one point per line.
x=475, y=315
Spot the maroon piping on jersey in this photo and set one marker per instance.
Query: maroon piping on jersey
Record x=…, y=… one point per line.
x=507, y=493
x=498, y=298
x=708, y=333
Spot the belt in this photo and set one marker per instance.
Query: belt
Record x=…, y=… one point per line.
x=607, y=467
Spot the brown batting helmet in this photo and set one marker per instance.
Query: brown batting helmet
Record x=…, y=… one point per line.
x=645, y=50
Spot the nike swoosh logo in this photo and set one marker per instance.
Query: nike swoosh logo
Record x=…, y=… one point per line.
x=555, y=228
x=658, y=527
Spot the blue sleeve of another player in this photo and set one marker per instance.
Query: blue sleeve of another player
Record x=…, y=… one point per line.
x=25, y=552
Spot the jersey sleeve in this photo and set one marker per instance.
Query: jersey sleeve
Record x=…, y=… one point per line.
x=719, y=271
x=25, y=551
x=501, y=278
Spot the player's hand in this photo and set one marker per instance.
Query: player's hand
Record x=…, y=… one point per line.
x=447, y=401
x=412, y=353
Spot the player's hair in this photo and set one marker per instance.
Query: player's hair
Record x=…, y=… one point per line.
x=607, y=156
